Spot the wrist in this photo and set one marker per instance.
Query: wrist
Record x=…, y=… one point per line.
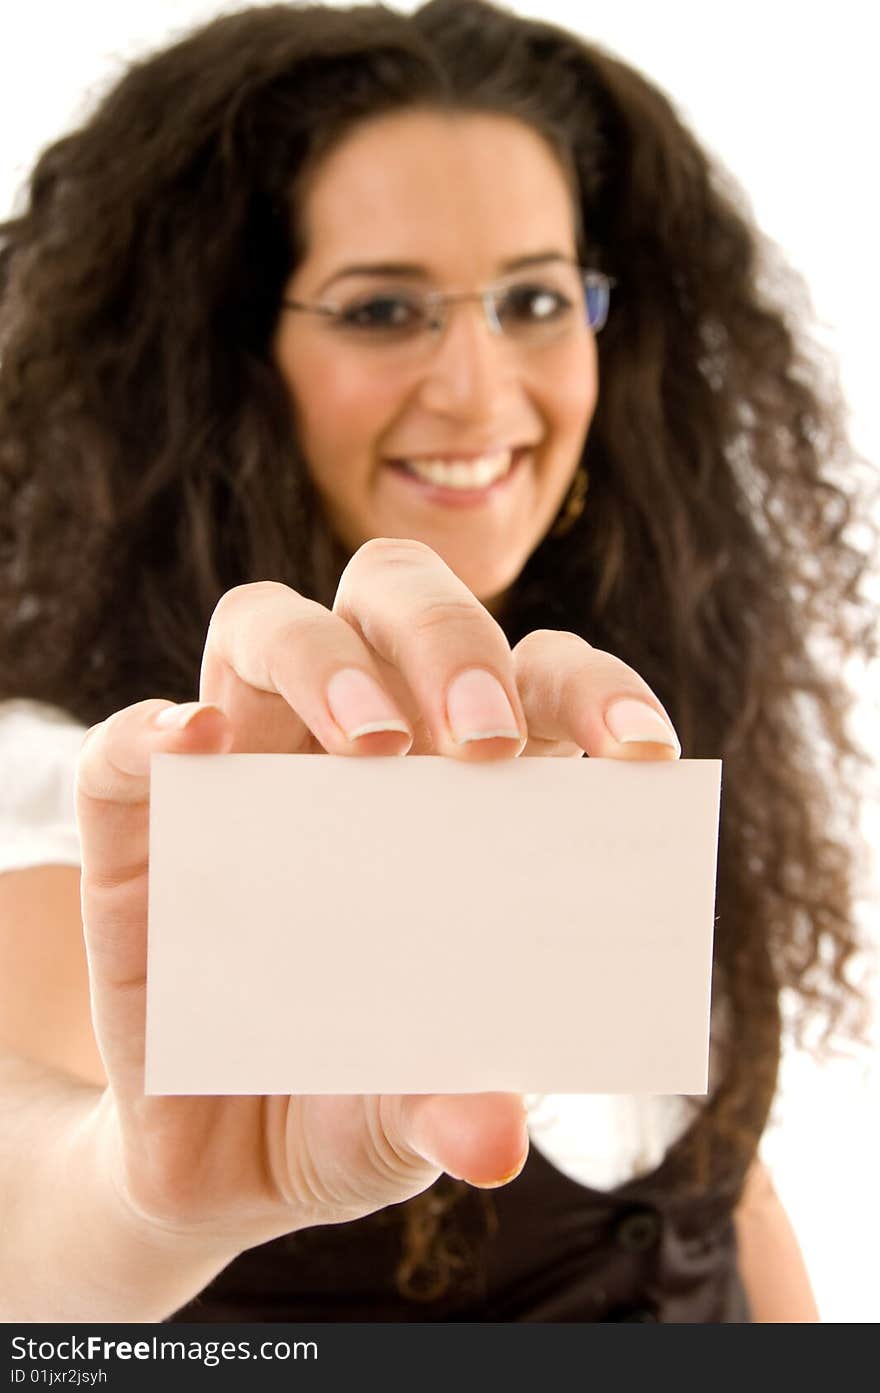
x=129, y=1265
x=101, y=1139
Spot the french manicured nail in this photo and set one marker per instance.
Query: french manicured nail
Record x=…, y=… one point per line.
x=178, y=717
x=477, y=708
x=360, y=707
x=632, y=722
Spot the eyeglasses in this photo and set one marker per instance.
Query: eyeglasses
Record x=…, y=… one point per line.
x=532, y=309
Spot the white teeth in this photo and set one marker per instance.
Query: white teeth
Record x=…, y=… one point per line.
x=477, y=473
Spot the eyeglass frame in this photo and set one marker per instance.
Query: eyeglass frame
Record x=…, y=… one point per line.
x=443, y=299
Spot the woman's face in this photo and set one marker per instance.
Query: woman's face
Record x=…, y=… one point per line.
x=458, y=199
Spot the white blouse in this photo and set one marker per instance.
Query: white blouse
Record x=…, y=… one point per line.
x=598, y=1140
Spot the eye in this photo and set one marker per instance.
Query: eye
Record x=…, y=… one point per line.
x=533, y=303
x=384, y=313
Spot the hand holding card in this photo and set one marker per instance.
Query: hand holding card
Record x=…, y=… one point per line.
x=278, y=906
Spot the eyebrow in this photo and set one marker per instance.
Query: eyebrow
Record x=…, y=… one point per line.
x=412, y=270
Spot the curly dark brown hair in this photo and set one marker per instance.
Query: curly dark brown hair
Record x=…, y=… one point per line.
x=148, y=461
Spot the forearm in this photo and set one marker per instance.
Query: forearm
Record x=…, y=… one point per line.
x=771, y=1264
x=71, y=1250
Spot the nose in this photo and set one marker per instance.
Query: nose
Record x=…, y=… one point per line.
x=467, y=367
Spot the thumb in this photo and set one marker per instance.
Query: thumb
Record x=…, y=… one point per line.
x=113, y=809
x=478, y=1137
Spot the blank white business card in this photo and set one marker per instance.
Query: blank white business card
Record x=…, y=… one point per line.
x=322, y=924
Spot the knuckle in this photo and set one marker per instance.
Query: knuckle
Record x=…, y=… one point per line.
x=541, y=642
x=232, y=601
x=398, y=552
x=102, y=883
x=616, y=668
x=601, y=672
x=441, y=614
x=297, y=630
x=100, y=775
x=88, y=738
x=394, y=549
x=97, y=735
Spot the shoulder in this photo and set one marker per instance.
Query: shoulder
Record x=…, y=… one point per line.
x=39, y=747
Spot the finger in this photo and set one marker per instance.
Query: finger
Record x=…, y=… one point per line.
x=112, y=809
x=579, y=698
x=292, y=678
x=416, y=614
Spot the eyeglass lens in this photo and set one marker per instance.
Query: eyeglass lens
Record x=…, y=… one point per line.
x=536, y=307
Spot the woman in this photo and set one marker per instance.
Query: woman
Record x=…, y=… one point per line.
x=301, y=348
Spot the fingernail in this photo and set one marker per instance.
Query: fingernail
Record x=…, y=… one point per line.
x=359, y=706
x=178, y=717
x=505, y=1179
x=477, y=708
x=631, y=721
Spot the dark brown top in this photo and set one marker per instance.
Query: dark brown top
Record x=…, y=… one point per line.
x=654, y=1249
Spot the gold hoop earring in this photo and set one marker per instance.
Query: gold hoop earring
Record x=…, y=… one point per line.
x=574, y=503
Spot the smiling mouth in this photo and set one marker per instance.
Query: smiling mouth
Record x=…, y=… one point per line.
x=475, y=475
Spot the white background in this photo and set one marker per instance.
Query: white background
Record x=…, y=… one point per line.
x=785, y=94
